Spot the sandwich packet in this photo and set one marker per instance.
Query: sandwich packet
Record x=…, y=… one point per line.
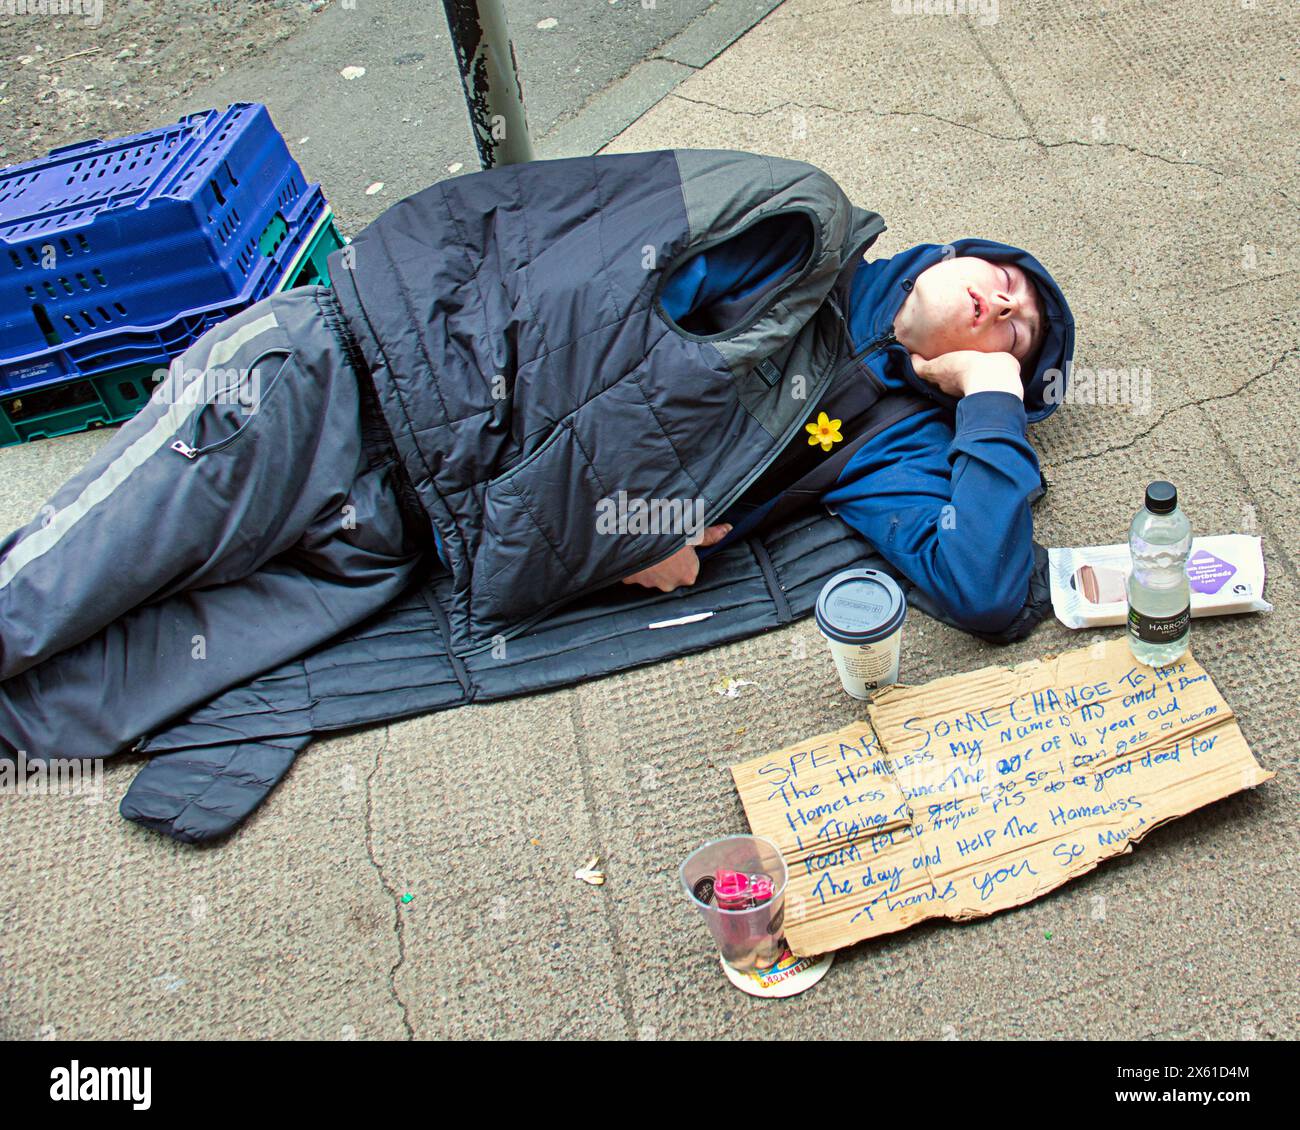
x=1089, y=584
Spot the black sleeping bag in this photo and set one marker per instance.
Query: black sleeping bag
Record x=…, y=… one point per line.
x=212, y=770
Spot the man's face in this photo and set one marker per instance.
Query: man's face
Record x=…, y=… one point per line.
x=971, y=303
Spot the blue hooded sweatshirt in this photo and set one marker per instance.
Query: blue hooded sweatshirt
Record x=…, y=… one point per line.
x=944, y=494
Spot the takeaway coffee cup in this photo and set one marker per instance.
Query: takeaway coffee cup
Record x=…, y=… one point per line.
x=861, y=613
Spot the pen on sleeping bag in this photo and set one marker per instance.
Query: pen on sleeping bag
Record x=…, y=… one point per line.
x=680, y=620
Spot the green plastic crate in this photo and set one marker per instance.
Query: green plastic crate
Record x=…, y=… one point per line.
x=117, y=395
x=311, y=267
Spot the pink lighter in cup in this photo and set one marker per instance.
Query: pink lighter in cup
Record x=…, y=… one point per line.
x=737, y=885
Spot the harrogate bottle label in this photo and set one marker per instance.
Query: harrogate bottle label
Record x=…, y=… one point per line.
x=1159, y=629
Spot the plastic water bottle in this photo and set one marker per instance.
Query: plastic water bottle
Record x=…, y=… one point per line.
x=1159, y=597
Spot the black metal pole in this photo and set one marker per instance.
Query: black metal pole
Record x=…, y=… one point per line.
x=494, y=92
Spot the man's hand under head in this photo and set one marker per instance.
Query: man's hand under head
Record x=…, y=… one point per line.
x=682, y=568
x=968, y=370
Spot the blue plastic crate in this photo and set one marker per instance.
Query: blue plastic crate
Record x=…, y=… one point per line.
x=124, y=252
x=117, y=394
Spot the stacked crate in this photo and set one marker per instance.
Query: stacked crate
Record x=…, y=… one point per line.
x=116, y=256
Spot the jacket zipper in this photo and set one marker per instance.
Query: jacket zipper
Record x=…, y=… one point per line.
x=882, y=342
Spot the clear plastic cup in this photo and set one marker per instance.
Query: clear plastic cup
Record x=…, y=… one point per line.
x=750, y=939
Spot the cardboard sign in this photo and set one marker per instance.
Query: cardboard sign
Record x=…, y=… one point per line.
x=982, y=791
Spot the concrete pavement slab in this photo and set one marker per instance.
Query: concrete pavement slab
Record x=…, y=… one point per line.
x=33, y=471
x=484, y=814
x=1200, y=83
x=111, y=932
x=1253, y=425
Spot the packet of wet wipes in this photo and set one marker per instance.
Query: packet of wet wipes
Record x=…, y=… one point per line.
x=1089, y=584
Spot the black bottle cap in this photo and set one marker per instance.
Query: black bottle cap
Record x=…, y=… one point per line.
x=1162, y=497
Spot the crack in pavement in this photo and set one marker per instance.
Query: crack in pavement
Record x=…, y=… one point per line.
x=679, y=62
x=1028, y=137
x=1003, y=82
x=398, y=926
x=1276, y=1014
x=1194, y=402
x=1277, y=541
x=1256, y=281
x=611, y=922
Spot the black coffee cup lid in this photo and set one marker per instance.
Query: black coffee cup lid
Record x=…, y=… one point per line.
x=860, y=606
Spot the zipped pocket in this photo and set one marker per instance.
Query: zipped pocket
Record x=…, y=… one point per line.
x=244, y=396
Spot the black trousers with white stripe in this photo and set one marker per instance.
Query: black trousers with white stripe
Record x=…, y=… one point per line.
x=237, y=522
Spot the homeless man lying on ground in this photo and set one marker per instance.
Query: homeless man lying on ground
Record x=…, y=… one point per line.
x=497, y=355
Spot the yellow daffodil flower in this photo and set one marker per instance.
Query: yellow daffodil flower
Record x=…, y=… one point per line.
x=825, y=431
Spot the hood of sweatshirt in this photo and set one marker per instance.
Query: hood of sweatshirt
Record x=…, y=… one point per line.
x=880, y=287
